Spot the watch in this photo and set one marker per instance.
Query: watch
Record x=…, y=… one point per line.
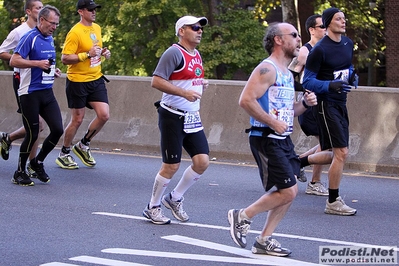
x=88, y=55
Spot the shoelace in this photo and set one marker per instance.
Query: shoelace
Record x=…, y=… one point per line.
x=273, y=243
x=243, y=227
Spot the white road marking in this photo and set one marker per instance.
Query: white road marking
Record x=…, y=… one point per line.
x=107, y=262
x=174, y=255
x=322, y=240
x=58, y=264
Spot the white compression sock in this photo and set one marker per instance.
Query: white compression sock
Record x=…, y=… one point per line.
x=160, y=185
x=188, y=179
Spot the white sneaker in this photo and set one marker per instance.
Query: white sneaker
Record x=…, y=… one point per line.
x=339, y=207
x=316, y=189
x=155, y=214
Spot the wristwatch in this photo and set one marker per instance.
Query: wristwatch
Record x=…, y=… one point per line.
x=88, y=55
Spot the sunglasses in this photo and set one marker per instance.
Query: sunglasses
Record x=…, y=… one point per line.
x=319, y=26
x=293, y=34
x=196, y=28
x=91, y=9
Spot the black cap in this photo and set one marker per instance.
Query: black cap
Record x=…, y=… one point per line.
x=89, y=4
x=328, y=14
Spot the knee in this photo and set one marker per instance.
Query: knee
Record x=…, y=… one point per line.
x=168, y=170
x=290, y=193
x=200, y=164
x=104, y=117
x=57, y=132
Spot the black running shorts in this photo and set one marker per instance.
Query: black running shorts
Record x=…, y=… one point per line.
x=80, y=94
x=173, y=138
x=277, y=161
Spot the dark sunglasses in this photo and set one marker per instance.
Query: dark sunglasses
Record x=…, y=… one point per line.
x=196, y=28
x=91, y=9
x=319, y=26
x=293, y=34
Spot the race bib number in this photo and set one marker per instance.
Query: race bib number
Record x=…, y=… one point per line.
x=287, y=115
x=192, y=122
x=48, y=78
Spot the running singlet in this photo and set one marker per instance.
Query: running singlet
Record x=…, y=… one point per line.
x=80, y=39
x=13, y=38
x=278, y=101
x=189, y=77
x=35, y=46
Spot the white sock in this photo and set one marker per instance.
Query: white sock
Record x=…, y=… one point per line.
x=160, y=185
x=188, y=179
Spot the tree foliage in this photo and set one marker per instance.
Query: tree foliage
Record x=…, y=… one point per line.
x=138, y=31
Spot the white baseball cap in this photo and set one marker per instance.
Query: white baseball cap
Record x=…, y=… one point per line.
x=189, y=20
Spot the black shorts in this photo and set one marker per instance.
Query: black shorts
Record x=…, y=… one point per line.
x=80, y=94
x=173, y=138
x=333, y=125
x=308, y=123
x=277, y=161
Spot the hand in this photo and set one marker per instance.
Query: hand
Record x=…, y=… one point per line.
x=310, y=98
x=57, y=73
x=191, y=95
x=280, y=127
x=106, y=53
x=205, y=85
x=339, y=86
x=354, y=79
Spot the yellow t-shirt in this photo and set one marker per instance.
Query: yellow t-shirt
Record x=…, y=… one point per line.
x=79, y=40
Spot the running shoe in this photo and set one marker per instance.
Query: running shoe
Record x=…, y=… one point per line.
x=316, y=189
x=84, y=154
x=270, y=247
x=39, y=169
x=302, y=175
x=155, y=214
x=66, y=161
x=176, y=207
x=22, y=179
x=339, y=207
x=5, y=145
x=31, y=173
x=238, y=228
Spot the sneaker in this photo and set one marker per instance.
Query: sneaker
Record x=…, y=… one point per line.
x=66, y=161
x=84, y=154
x=339, y=207
x=316, y=189
x=39, y=169
x=238, y=228
x=22, y=179
x=176, y=207
x=5, y=145
x=270, y=247
x=155, y=214
x=31, y=173
x=302, y=175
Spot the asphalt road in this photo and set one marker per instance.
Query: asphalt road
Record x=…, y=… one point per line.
x=93, y=216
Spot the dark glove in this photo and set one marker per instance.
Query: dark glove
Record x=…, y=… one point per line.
x=298, y=86
x=354, y=79
x=339, y=86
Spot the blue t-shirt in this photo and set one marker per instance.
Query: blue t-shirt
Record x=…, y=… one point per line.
x=35, y=46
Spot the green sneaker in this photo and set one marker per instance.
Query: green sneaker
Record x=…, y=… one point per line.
x=66, y=161
x=5, y=145
x=84, y=154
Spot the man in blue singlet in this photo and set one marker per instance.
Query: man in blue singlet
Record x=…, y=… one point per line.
x=35, y=56
x=269, y=99
x=329, y=76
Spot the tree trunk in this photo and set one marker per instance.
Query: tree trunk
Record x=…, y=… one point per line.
x=289, y=9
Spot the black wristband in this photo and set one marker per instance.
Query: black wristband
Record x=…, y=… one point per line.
x=304, y=104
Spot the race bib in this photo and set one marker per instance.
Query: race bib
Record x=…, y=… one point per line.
x=192, y=122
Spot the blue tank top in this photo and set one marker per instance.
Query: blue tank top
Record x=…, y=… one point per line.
x=278, y=101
